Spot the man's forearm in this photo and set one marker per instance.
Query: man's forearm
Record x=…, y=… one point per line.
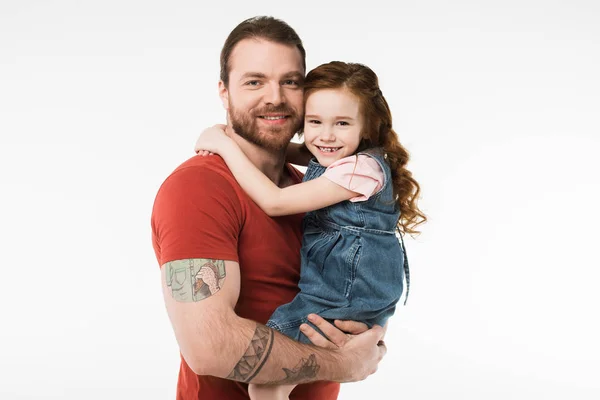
x=214, y=340
x=272, y=358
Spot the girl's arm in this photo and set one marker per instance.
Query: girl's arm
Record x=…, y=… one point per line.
x=298, y=154
x=273, y=200
x=276, y=201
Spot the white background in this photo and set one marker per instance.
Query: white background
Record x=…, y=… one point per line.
x=497, y=101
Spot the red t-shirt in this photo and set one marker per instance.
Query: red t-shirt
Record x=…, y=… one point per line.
x=200, y=211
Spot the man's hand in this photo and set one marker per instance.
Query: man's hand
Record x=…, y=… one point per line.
x=335, y=336
x=350, y=338
x=212, y=140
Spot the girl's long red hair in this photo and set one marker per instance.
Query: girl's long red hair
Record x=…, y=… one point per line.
x=377, y=131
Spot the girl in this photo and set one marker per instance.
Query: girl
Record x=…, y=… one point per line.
x=356, y=194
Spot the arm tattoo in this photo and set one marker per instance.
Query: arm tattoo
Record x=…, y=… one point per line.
x=194, y=279
x=255, y=356
x=304, y=371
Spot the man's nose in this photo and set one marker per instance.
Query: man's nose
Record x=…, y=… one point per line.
x=274, y=95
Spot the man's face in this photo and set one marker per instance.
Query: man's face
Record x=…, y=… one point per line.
x=265, y=95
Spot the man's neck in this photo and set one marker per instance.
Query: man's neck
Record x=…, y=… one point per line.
x=269, y=162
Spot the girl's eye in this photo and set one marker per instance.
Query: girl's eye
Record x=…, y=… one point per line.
x=313, y=121
x=343, y=123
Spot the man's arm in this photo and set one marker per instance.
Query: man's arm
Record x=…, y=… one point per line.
x=196, y=215
x=200, y=296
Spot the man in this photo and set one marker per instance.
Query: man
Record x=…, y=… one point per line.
x=225, y=265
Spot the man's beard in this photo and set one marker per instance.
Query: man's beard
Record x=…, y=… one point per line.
x=274, y=138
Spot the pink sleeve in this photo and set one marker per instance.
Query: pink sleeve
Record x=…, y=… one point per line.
x=360, y=174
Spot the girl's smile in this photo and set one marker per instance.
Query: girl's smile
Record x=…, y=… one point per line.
x=332, y=124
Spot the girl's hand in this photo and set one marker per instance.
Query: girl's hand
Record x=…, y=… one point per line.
x=212, y=140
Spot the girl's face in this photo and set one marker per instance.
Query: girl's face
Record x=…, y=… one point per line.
x=332, y=124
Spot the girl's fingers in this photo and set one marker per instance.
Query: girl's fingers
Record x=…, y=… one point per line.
x=336, y=336
x=315, y=337
x=352, y=327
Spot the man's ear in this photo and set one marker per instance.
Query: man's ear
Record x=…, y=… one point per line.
x=224, y=95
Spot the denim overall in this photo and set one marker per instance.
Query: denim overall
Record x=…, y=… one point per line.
x=353, y=263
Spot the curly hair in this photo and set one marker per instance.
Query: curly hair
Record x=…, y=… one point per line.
x=377, y=131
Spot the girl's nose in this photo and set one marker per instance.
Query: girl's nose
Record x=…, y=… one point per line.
x=327, y=135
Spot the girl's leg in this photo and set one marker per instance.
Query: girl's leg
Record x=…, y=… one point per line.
x=269, y=392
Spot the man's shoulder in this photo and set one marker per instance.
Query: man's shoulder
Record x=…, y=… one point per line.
x=198, y=180
x=202, y=164
x=197, y=185
x=201, y=170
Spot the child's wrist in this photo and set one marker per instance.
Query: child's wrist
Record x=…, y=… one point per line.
x=226, y=146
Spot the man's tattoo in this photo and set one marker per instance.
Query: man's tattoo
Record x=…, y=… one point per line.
x=255, y=356
x=303, y=371
x=194, y=279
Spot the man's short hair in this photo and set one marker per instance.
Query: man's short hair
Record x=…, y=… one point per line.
x=262, y=27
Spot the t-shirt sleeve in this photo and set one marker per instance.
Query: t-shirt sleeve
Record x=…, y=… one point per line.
x=196, y=214
x=360, y=174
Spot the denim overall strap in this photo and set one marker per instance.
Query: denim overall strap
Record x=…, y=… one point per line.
x=406, y=270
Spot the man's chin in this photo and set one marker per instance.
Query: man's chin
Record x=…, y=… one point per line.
x=264, y=142
x=272, y=138
x=274, y=141
x=272, y=145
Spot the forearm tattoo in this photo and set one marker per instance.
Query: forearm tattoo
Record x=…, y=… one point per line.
x=305, y=370
x=194, y=279
x=255, y=356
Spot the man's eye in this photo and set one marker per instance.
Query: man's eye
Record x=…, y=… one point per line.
x=253, y=83
x=291, y=82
